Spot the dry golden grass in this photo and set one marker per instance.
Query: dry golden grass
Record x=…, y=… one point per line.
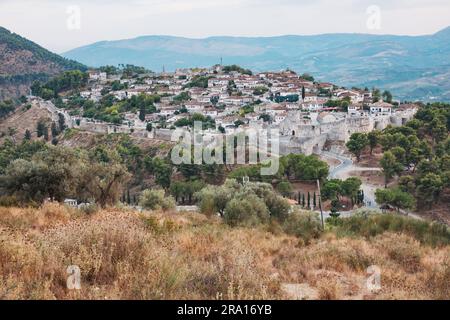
x=124, y=254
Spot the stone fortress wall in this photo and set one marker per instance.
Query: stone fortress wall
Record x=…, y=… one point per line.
x=106, y=128
x=308, y=135
x=299, y=132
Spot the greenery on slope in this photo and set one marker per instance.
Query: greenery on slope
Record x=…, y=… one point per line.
x=417, y=154
x=16, y=42
x=236, y=68
x=69, y=80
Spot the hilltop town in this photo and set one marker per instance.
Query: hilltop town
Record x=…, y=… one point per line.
x=223, y=183
x=307, y=113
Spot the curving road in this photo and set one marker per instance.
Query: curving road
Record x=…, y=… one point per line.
x=343, y=170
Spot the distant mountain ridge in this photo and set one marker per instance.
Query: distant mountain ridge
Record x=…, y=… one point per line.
x=23, y=61
x=414, y=67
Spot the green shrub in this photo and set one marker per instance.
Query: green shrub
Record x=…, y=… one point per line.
x=305, y=225
x=208, y=206
x=285, y=188
x=89, y=209
x=156, y=200
x=9, y=201
x=278, y=207
x=159, y=226
x=214, y=199
x=370, y=225
x=246, y=211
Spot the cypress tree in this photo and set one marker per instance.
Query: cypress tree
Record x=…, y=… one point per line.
x=142, y=112
x=61, y=122
x=54, y=130
x=40, y=129
x=309, y=200
x=314, y=200
x=45, y=134
x=27, y=135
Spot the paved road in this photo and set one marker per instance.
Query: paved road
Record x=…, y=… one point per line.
x=343, y=170
x=343, y=166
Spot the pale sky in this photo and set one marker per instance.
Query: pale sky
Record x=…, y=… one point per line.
x=54, y=24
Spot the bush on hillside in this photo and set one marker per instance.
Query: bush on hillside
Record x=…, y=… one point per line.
x=9, y=201
x=215, y=199
x=156, y=200
x=304, y=225
x=363, y=224
x=246, y=211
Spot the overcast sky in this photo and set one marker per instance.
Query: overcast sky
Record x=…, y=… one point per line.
x=54, y=23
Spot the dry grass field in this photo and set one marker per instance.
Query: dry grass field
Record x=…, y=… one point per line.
x=124, y=254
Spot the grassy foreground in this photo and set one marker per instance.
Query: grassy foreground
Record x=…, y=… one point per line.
x=124, y=254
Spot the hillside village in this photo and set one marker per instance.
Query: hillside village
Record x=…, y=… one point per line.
x=93, y=205
x=308, y=114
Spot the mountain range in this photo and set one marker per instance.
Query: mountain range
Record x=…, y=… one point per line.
x=412, y=67
x=23, y=61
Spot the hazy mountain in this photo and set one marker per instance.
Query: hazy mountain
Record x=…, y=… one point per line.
x=415, y=67
x=23, y=61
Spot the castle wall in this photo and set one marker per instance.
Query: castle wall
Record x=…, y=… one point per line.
x=163, y=134
x=309, y=138
x=93, y=127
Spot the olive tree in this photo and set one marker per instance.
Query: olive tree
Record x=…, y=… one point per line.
x=156, y=199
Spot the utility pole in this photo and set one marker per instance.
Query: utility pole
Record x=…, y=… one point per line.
x=320, y=204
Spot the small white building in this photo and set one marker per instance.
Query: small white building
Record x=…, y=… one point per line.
x=194, y=107
x=354, y=109
x=71, y=202
x=381, y=108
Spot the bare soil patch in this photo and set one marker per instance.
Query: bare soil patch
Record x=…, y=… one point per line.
x=371, y=160
x=369, y=176
x=21, y=120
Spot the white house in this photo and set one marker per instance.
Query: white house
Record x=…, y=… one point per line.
x=354, y=109
x=210, y=112
x=71, y=202
x=168, y=112
x=194, y=107
x=381, y=108
x=312, y=106
x=120, y=95
x=85, y=94
x=310, y=98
